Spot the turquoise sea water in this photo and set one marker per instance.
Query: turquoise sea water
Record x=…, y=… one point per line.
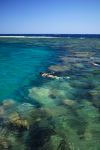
x=41, y=113
x=21, y=61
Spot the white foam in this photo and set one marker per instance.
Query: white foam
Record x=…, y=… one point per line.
x=27, y=37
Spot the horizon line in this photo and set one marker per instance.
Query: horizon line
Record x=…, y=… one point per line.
x=49, y=33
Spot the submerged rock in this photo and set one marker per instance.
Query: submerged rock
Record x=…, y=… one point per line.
x=25, y=110
x=83, y=54
x=95, y=93
x=8, y=103
x=39, y=136
x=4, y=144
x=69, y=102
x=17, y=121
x=59, y=68
x=41, y=95
x=53, y=144
x=55, y=111
x=79, y=65
x=2, y=112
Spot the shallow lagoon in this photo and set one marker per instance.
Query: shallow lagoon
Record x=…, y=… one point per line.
x=49, y=114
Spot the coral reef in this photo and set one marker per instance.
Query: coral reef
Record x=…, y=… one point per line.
x=4, y=144
x=68, y=114
x=59, y=68
x=8, y=103
x=16, y=120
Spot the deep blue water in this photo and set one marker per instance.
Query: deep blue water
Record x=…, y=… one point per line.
x=57, y=35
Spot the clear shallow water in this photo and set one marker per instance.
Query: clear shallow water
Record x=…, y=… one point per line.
x=19, y=62
x=45, y=113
